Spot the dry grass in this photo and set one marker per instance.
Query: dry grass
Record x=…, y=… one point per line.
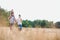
x=3, y=22
x=29, y=34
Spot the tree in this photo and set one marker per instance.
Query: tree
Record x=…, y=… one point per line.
x=43, y=23
x=57, y=24
x=37, y=23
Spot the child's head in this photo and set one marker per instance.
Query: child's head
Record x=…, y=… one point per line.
x=19, y=15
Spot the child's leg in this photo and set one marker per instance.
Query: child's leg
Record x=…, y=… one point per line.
x=20, y=27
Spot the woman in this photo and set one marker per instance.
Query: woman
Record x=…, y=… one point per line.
x=11, y=19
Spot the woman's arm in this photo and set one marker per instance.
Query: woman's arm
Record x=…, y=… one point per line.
x=15, y=20
x=9, y=17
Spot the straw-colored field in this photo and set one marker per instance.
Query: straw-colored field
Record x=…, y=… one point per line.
x=29, y=34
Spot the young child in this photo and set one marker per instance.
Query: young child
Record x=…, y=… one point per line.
x=11, y=19
x=19, y=22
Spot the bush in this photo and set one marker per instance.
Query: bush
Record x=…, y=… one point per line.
x=57, y=24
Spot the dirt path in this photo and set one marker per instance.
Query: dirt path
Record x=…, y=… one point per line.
x=29, y=34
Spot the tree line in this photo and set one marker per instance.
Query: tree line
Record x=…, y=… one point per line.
x=37, y=23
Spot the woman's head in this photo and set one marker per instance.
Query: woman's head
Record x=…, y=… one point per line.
x=12, y=13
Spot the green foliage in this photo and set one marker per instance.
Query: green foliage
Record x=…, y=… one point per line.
x=57, y=24
x=27, y=23
x=43, y=23
x=24, y=23
x=4, y=15
x=35, y=23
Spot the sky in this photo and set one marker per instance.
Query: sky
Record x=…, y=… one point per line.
x=34, y=9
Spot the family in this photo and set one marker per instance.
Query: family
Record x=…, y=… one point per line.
x=12, y=20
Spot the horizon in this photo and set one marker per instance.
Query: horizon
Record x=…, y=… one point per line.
x=34, y=9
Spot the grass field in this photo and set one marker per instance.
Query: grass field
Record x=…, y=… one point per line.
x=29, y=34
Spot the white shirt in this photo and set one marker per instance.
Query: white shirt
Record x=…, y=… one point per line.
x=19, y=21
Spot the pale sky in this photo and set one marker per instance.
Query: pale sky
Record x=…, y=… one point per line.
x=34, y=9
